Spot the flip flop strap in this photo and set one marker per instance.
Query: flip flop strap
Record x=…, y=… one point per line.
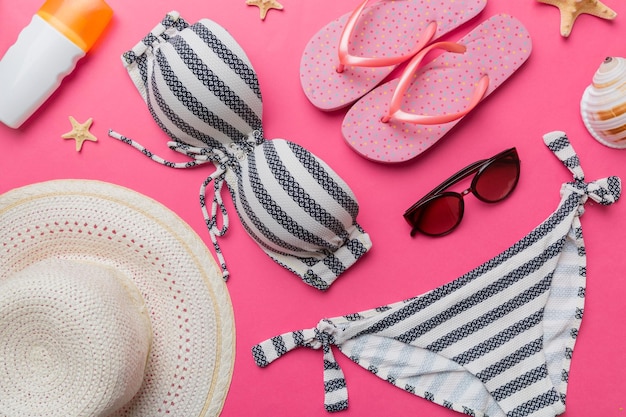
x=345, y=58
x=406, y=79
x=321, y=337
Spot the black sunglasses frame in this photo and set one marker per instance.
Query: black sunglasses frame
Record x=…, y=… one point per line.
x=477, y=168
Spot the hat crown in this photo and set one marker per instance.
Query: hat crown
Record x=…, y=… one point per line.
x=74, y=340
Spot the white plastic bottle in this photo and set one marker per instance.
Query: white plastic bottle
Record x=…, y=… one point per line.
x=46, y=51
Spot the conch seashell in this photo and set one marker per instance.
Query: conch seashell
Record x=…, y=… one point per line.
x=603, y=104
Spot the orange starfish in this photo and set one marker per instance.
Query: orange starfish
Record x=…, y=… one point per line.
x=80, y=133
x=571, y=9
x=264, y=6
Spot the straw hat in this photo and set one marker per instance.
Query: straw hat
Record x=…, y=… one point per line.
x=110, y=305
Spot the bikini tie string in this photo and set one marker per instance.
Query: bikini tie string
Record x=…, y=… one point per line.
x=321, y=337
x=200, y=156
x=218, y=178
x=224, y=160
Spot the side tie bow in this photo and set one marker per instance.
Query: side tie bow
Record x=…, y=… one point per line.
x=604, y=191
x=321, y=337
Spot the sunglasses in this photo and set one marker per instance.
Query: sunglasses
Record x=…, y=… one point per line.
x=440, y=211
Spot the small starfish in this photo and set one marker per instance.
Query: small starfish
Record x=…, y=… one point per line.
x=264, y=6
x=571, y=9
x=80, y=133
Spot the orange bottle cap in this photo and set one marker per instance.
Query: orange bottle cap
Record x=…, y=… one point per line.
x=81, y=21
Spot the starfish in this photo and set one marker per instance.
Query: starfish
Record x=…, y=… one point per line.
x=264, y=6
x=80, y=133
x=571, y=9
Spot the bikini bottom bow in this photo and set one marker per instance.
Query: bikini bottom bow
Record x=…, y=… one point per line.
x=605, y=191
x=321, y=337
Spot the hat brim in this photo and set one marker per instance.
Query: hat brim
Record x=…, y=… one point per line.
x=190, y=365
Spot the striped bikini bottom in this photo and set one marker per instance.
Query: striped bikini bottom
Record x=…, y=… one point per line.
x=497, y=341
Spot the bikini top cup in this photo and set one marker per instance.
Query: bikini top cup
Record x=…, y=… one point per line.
x=495, y=342
x=201, y=89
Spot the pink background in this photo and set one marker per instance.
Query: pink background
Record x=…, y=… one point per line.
x=542, y=96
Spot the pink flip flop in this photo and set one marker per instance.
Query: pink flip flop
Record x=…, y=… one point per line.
x=402, y=118
x=351, y=55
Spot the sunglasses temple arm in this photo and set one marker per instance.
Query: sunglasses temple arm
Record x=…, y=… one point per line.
x=469, y=170
x=465, y=172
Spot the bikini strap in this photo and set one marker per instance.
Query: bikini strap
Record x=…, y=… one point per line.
x=321, y=337
x=604, y=191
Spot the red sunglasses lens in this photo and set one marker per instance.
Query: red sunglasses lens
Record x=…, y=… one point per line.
x=440, y=215
x=497, y=180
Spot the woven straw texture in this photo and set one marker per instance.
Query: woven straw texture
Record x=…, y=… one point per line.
x=190, y=364
x=76, y=332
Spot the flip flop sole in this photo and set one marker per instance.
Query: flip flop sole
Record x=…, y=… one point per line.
x=497, y=47
x=385, y=29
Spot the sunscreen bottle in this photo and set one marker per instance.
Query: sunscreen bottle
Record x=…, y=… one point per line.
x=46, y=51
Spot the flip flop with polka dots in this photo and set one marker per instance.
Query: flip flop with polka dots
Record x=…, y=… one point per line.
x=351, y=55
x=400, y=119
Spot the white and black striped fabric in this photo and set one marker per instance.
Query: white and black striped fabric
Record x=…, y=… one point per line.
x=202, y=90
x=495, y=342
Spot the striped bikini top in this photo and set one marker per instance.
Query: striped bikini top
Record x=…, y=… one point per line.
x=203, y=92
